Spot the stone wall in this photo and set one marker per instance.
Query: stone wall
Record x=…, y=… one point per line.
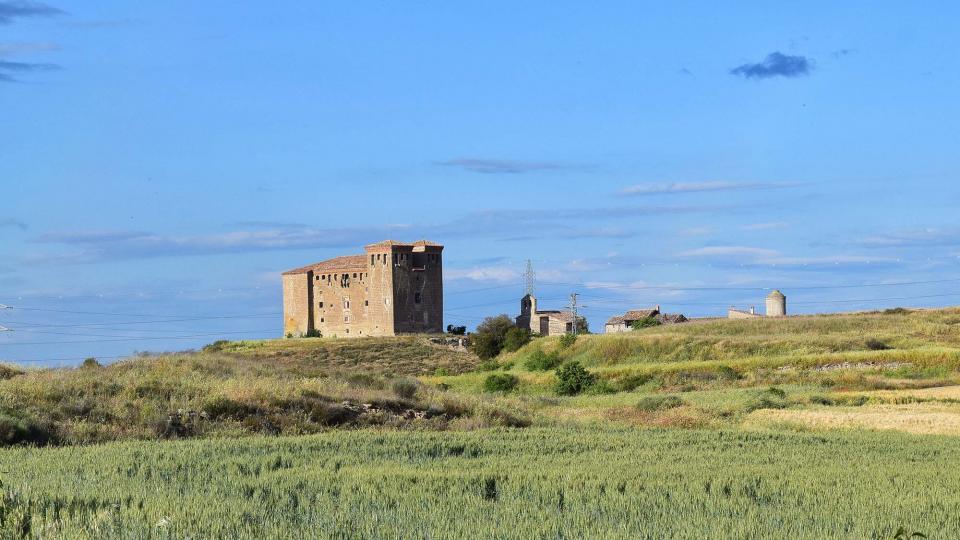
x=296, y=304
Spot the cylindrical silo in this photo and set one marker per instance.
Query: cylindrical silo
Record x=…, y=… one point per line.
x=776, y=304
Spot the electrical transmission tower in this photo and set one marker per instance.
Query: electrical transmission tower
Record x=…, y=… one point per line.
x=529, y=278
x=576, y=317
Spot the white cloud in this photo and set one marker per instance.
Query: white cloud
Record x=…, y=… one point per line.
x=765, y=226
x=697, y=187
x=498, y=274
x=730, y=251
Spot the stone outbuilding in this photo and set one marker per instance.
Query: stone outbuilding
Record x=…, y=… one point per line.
x=624, y=323
x=543, y=322
x=776, y=306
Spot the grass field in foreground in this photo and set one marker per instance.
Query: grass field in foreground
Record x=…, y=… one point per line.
x=556, y=482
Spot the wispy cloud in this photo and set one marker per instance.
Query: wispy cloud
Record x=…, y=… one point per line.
x=748, y=255
x=8, y=68
x=17, y=48
x=772, y=225
x=11, y=222
x=699, y=187
x=10, y=10
x=498, y=274
x=729, y=251
x=499, y=166
x=914, y=238
x=776, y=64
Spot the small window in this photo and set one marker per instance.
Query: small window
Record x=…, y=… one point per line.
x=354, y=274
x=321, y=305
x=371, y=260
x=346, y=318
x=366, y=302
x=416, y=298
x=321, y=319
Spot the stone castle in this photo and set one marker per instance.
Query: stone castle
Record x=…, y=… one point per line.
x=394, y=288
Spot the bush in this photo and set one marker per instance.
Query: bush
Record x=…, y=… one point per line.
x=405, y=388
x=632, y=381
x=313, y=332
x=877, y=345
x=541, y=361
x=489, y=365
x=896, y=311
x=572, y=379
x=645, y=322
x=499, y=382
x=659, y=403
x=515, y=338
x=216, y=346
x=90, y=363
x=223, y=407
x=821, y=400
x=491, y=335
x=567, y=340
x=16, y=430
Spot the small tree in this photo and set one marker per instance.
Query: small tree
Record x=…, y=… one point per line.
x=583, y=327
x=572, y=379
x=491, y=335
x=90, y=363
x=567, y=340
x=515, y=338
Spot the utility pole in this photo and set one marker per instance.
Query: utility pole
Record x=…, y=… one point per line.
x=529, y=278
x=573, y=309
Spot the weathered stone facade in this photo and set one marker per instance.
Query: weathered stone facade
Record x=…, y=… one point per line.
x=543, y=322
x=394, y=288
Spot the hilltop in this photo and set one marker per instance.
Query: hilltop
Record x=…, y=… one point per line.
x=896, y=370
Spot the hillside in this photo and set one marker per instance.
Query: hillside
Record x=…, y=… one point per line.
x=894, y=370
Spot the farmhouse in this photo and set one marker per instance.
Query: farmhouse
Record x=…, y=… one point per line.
x=543, y=322
x=393, y=288
x=624, y=323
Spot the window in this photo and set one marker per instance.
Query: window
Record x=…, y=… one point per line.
x=366, y=302
x=321, y=304
x=321, y=319
x=416, y=298
x=371, y=260
x=346, y=318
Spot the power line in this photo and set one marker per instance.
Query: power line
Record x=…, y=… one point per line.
x=100, y=325
x=126, y=314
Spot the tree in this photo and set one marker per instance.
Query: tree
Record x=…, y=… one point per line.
x=515, y=338
x=490, y=336
x=582, y=326
x=645, y=322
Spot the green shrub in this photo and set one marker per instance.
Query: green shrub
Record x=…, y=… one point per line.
x=491, y=334
x=567, y=340
x=877, y=345
x=896, y=311
x=313, y=332
x=633, y=381
x=515, y=338
x=405, y=388
x=541, y=361
x=441, y=372
x=821, y=400
x=659, y=403
x=727, y=372
x=216, y=346
x=499, y=382
x=645, y=322
x=488, y=365
x=572, y=379
x=90, y=363
x=220, y=407
x=17, y=430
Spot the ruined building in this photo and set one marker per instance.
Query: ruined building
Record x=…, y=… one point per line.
x=624, y=323
x=393, y=288
x=543, y=322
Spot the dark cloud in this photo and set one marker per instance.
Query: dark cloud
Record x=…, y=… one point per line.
x=499, y=166
x=11, y=222
x=7, y=69
x=840, y=53
x=25, y=8
x=776, y=64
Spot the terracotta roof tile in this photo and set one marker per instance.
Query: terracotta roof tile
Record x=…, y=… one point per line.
x=348, y=262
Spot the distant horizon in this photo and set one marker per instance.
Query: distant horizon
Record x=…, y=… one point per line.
x=162, y=164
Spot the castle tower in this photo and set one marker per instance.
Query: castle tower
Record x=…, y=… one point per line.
x=776, y=304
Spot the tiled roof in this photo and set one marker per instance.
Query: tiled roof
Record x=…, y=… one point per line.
x=565, y=316
x=348, y=262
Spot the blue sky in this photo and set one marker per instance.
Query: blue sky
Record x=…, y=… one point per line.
x=161, y=163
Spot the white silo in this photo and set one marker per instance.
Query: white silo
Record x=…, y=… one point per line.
x=776, y=304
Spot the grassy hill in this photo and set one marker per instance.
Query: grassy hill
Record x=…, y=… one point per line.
x=833, y=426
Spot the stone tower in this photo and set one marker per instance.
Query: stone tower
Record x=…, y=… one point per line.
x=776, y=304
x=393, y=288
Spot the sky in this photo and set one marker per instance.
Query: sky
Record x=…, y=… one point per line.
x=162, y=162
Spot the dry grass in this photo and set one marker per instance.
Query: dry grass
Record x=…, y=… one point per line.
x=921, y=418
